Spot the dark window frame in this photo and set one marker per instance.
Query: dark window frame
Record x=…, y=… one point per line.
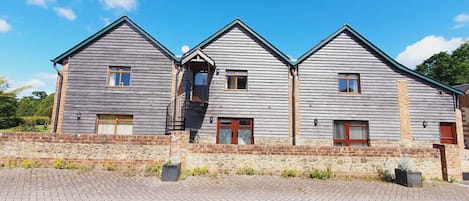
x=235, y=126
x=348, y=77
x=347, y=125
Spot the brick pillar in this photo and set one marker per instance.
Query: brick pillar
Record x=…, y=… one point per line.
x=62, y=97
x=56, y=98
x=404, y=112
x=459, y=129
x=178, y=148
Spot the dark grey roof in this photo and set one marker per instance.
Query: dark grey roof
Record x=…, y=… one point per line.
x=462, y=87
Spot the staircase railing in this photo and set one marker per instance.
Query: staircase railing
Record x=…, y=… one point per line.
x=175, y=115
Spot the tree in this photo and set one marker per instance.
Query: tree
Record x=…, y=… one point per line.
x=40, y=94
x=451, y=69
x=45, y=106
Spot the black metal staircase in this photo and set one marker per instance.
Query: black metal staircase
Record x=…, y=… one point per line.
x=175, y=115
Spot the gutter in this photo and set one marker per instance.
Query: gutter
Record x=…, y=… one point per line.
x=59, y=96
x=292, y=72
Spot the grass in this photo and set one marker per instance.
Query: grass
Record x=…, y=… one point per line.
x=321, y=174
x=37, y=128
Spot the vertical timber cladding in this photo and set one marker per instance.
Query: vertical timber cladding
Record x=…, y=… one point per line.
x=146, y=97
x=378, y=100
x=267, y=95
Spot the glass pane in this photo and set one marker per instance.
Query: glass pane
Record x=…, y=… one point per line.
x=244, y=122
x=244, y=136
x=200, y=78
x=124, y=128
x=115, y=68
x=342, y=85
x=353, y=84
x=105, y=128
x=106, y=117
x=126, y=68
x=358, y=144
x=242, y=82
x=339, y=130
x=125, y=117
x=231, y=82
x=125, y=79
x=225, y=121
x=113, y=79
x=358, y=133
x=242, y=73
x=225, y=136
x=352, y=75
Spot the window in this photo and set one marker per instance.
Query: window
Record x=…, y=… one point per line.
x=114, y=124
x=349, y=83
x=236, y=79
x=119, y=76
x=351, y=133
x=235, y=131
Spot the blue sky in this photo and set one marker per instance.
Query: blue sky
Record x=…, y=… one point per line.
x=34, y=31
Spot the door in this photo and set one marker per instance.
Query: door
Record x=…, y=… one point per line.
x=448, y=133
x=235, y=131
x=200, y=87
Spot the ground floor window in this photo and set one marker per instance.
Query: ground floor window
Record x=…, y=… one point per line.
x=351, y=133
x=235, y=131
x=448, y=133
x=114, y=124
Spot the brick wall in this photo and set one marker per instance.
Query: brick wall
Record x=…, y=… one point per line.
x=342, y=160
x=89, y=149
x=464, y=105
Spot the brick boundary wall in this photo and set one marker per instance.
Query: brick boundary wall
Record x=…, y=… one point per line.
x=123, y=151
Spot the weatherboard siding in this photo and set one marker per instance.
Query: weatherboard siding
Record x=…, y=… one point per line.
x=265, y=100
x=378, y=101
x=147, y=96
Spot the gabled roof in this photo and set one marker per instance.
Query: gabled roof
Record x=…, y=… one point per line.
x=238, y=22
x=462, y=87
x=200, y=53
x=97, y=35
x=396, y=64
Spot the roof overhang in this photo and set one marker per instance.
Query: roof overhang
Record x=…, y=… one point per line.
x=197, y=56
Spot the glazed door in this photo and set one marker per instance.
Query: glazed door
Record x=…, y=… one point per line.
x=200, y=87
x=235, y=131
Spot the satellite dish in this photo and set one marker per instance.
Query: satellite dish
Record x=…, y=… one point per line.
x=185, y=49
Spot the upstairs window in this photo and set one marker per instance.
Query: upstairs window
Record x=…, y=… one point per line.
x=349, y=83
x=351, y=133
x=119, y=76
x=236, y=79
x=114, y=124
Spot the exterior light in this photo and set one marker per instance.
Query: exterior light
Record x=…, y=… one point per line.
x=211, y=119
x=78, y=115
x=315, y=122
x=217, y=71
x=424, y=124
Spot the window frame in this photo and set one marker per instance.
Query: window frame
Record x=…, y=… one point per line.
x=347, y=126
x=347, y=79
x=235, y=126
x=115, y=122
x=236, y=74
x=119, y=72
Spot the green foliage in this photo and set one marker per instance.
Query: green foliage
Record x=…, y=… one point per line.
x=386, y=175
x=28, y=164
x=246, y=171
x=109, y=166
x=8, y=106
x=8, y=122
x=27, y=106
x=290, y=173
x=200, y=171
x=61, y=164
x=45, y=106
x=154, y=168
x=12, y=164
x=321, y=174
x=451, y=69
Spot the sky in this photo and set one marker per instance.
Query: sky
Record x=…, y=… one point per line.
x=34, y=31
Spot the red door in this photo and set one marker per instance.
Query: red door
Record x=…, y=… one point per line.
x=448, y=133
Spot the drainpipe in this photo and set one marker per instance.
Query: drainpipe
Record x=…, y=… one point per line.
x=59, y=96
x=176, y=92
x=292, y=72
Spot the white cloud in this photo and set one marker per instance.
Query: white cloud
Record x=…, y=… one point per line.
x=461, y=20
x=35, y=85
x=416, y=53
x=4, y=26
x=41, y=3
x=65, y=12
x=47, y=76
x=123, y=4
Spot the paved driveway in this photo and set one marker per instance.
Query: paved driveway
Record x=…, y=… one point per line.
x=51, y=184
